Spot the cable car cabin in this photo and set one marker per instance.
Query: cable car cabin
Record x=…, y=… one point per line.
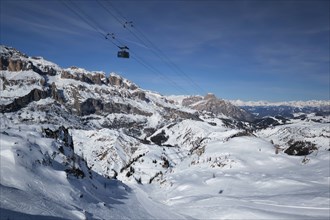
x=123, y=54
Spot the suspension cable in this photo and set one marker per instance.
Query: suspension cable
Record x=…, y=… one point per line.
x=148, y=66
x=115, y=41
x=145, y=40
x=82, y=17
x=167, y=60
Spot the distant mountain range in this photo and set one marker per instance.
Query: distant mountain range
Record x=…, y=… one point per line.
x=285, y=109
x=311, y=103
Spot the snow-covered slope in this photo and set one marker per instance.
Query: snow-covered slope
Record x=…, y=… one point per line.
x=76, y=144
x=229, y=175
x=244, y=179
x=42, y=178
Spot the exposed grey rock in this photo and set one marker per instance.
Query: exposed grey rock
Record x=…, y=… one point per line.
x=210, y=103
x=300, y=148
x=90, y=106
x=263, y=123
x=15, y=65
x=191, y=100
x=61, y=134
x=95, y=106
x=210, y=96
x=140, y=95
x=118, y=81
x=176, y=114
x=90, y=78
x=115, y=81
x=57, y=94
x=159, y=138
x=20, y=102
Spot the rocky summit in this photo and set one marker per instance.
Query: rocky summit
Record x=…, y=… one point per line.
x=210, y=103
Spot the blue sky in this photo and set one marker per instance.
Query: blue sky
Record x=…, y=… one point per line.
x=275, y=50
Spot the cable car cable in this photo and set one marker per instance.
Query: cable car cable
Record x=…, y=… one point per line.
x=150, y=67
x=129, y=24
x=81, y=17
x=168, y=61
x=153, y=69
x=140, y=60
x=115, y=17
x=97, y=28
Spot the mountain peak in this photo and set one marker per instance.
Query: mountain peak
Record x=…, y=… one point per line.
x=119, y=81
x=210, y=103
x=13, y=60
x=11, y=52
x=210, y=96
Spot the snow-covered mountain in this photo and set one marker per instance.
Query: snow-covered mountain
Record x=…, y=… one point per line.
x=210, y=103
x=298, y=104
x=77, y=144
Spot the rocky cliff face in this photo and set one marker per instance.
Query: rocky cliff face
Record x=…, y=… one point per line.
x=75, y=94
x=116, y=80
x=210, y=103
x=23, y=101
x=82, y=75
x=12, y=60
x=84, y=92
x=26, y=80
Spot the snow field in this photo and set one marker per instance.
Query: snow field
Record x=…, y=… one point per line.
x=33, y=190
x=259, y=184
x=235, y=177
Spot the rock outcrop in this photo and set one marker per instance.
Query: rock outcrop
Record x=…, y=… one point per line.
x=210, y=103
x=300, y=148
x=20, y=102
x=14, y=61
x=82, y=75
x=116, y=80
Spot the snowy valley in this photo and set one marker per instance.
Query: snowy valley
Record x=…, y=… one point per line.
x=77, y=144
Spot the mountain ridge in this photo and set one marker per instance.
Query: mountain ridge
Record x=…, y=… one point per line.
x=56, y=82
x=309, y=103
